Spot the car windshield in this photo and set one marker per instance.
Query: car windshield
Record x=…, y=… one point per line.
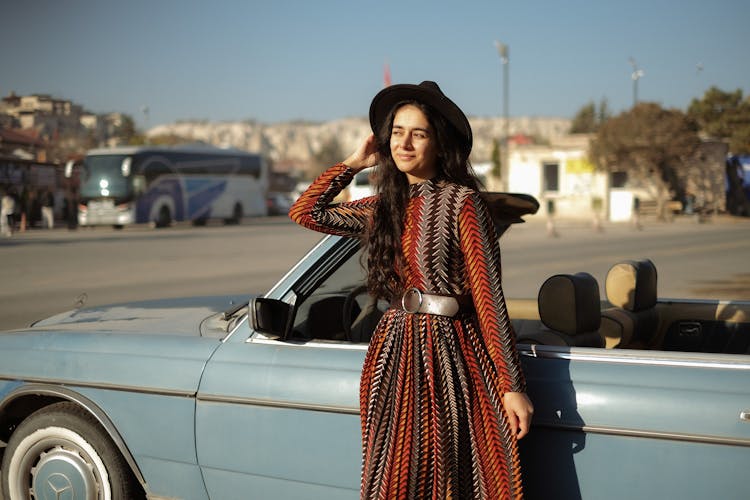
x=102, y=177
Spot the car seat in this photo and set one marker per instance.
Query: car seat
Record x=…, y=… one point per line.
x=631, y=290
x=325, y=318
x=569, y=308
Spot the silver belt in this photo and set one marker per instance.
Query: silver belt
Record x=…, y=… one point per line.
x=415, y=301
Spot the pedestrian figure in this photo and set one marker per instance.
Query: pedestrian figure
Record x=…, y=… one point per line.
x=442, y=395
x=72, y=211
x=636, y=216
x=7, y=209
x=551, y=230
x=596, y=208
x=48, y=209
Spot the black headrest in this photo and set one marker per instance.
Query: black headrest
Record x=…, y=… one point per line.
x=569, y=303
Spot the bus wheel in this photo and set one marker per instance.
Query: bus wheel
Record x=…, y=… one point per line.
x=236, y=215
x=165, y=217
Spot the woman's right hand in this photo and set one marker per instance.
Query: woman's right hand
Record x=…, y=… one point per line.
x=365, y=156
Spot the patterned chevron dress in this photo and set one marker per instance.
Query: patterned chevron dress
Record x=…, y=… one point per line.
x=433, y=424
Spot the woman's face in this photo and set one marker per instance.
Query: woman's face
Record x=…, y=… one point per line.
x=413, y=146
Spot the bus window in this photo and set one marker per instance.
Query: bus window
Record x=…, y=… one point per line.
x=154, y=169
x=250, y=166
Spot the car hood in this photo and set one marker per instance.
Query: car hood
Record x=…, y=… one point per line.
x=182, y=316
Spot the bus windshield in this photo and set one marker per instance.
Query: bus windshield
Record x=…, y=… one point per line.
x=102, y=177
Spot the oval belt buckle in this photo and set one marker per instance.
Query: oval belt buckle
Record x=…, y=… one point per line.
x=409, y=292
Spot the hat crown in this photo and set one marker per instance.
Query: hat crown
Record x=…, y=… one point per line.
x=427, y=92
x=430, y=85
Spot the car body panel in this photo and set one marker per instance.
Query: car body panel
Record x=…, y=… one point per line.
x=183, y=316
x=159, y=430
x=605, y=420
x=144, y=379
x=149, y=363
x=299, y=413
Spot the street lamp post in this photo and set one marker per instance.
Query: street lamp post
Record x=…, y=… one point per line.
x=145, y=111
x=635, y=76
x=503, y=51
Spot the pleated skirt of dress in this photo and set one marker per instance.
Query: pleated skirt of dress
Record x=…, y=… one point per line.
x=433, y=425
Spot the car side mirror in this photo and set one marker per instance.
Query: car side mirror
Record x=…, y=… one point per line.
x=271, y=316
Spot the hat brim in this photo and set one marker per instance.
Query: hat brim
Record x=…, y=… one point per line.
x=507, y=208
x=386, y=99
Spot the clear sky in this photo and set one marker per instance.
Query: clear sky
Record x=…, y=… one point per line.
x=278, y=60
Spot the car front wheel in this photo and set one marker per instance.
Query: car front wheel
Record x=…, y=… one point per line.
x=61, y=452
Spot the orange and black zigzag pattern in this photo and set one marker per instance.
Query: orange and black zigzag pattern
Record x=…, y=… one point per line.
x=433, y=425
x=314, y=208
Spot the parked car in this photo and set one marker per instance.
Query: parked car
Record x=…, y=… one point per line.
x=278, y=203
x=257, y=397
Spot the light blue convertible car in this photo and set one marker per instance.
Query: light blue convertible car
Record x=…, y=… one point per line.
x=636, y=396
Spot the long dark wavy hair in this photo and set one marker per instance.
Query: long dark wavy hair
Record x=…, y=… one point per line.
x=382, y=242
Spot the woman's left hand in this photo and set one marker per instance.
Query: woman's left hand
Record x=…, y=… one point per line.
x=519, y=409
x=365, y=156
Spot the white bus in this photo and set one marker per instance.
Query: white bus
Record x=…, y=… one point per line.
x=159, y=185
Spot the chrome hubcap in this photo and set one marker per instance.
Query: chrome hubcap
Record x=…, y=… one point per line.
x=62, y=474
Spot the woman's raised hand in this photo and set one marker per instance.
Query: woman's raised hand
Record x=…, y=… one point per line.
x=365, y=156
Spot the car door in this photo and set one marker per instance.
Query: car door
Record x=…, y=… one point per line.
x=636, y=424
x=279, y=418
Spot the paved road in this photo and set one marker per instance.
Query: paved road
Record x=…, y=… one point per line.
x=45, y=272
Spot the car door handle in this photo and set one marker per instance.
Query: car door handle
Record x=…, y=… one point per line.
x=690, y=329
x=745, y=415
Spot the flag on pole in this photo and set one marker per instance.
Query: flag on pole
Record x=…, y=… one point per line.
x=386, y=75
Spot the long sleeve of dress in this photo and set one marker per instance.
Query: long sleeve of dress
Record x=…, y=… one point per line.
x=482, y=256
x=314, y=208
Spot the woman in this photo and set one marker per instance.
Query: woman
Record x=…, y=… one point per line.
x=442, y=398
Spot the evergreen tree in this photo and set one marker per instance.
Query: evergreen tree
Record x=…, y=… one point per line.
x=589, y=118
x=497, y=162
x=724, y=115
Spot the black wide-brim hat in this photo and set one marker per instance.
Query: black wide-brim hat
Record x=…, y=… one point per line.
x=428, y=93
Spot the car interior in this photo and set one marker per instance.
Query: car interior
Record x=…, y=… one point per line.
x=632, y=316
x=568, y=311
x=339, y=309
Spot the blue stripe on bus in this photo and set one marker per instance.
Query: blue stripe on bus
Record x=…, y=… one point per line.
x=201, y=196
x=170, y=188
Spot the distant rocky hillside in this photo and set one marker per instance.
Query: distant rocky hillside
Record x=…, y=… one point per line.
x=296, y=143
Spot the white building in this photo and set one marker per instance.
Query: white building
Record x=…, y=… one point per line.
x=561, y=177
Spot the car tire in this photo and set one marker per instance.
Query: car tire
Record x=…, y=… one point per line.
x=62, y=448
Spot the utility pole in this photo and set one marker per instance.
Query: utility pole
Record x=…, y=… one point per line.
x=636, y=75
x=504, y=52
